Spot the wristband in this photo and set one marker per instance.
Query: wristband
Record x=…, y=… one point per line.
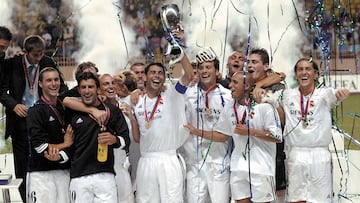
x=180, y=88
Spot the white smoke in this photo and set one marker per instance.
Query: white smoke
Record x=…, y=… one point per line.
x=205, y=26
x=100, y=36
x=6, y=9
x=206, y=23
x=217, y=24
x=286, y=38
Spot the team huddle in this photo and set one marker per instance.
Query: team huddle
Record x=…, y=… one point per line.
x=131, y=138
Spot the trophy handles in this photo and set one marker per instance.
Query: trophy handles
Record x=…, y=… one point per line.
x=170, y=18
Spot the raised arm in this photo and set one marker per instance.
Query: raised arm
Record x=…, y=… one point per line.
x=188, y=69
x=185, y=62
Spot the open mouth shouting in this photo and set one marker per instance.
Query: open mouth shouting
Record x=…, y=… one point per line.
x=250, y=70
x=236, y=65
x=156, y=82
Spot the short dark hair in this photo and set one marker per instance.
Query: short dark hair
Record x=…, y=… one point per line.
x=263, y=54
x=5, y=33
x=216, y=64
x=34, y=43
x=130, y=80
x=215, y=61
x=310, y=60
x=82, y=66
x=47, y=69
x=155, y=64
x=87, y=76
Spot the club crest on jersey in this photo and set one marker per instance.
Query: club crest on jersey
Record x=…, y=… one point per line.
x=51, y=118
x=79, y=120
x=252, y=114
x=312, y=103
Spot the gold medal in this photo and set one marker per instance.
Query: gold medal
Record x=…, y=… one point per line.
x=103, y=128
x=304, y=124
x=31, y=91
x=304, y=109
x=208, y=111
x=152, y=114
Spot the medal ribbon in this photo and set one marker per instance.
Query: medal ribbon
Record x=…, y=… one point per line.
x=243, y=116
x=148, y=119
x=304, y=110
x=107, y=112
x=206, y=95
x=27, y=74
x=53, y=109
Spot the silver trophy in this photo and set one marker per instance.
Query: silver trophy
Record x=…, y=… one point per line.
x=170, y=18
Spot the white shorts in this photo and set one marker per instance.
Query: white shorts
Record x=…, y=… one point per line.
x=210, y=184
x=159, y=178
x=96, y=188
x=123, y=183
x=48, y=186
x=262, y=186
x=309, y=175
x=134, y=156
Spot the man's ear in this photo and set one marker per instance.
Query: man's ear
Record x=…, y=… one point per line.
x=266, y=67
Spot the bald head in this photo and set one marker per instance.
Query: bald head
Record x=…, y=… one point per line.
x=235, y=62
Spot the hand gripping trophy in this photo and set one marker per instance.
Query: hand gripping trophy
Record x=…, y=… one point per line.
x=170, y=19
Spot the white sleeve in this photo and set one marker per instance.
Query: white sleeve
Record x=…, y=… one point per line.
x=271, y=121
x=225, y=123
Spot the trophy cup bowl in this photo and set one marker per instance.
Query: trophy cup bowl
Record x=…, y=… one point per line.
x=170, y=18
